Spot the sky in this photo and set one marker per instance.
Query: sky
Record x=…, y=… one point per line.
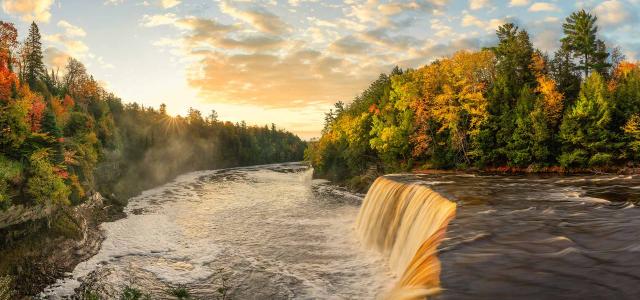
x=283, y=62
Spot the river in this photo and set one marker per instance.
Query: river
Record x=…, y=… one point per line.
x=271, y=232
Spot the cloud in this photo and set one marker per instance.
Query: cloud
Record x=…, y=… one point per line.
x=382, y=37
x=441, y=30
x=113, y=2
x=158, y=20
x=519, y=2
x=71, y=30
x=491, y=25
x=75, y=47
x=266, y=79
x=209, y=34
x=349, y=45
x=478, y=4
x=68, y=39
x=613, y=13
x=385, y=15
x=55, y=59
x=169, y=3
x=257, y=17
x=29, y=10
x=543, y=6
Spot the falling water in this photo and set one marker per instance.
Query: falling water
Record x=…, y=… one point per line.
x=272, y=231
x=406, y=222
x=276, y=233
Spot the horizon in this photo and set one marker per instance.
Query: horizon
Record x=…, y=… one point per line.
x=284, y=62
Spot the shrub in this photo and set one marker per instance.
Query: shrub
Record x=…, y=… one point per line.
x=180, y=292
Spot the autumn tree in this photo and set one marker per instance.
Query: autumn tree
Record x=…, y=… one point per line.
x=44, y=185
x=8, y=42
x=392, y=122
x=75, y=77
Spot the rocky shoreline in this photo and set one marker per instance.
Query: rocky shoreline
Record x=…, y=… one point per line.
x=70, y=236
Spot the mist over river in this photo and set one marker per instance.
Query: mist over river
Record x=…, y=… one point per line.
x=271, y=232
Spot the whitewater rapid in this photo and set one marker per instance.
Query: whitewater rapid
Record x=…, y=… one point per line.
x=271, y=231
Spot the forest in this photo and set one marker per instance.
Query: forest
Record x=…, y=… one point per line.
x=64, y=137
x=510, y=107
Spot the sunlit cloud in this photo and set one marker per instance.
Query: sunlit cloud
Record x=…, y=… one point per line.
x=613, y=13
x=157, y=20
x=257, y=17
x=169, y=3
x=71, y=30
x=295, y=55
x=543, y=6
x=55, y=59
x=478, y=4
x=29, y=10
x=519, y=2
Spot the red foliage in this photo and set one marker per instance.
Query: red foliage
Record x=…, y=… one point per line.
x=35, y=114
x=8, y=41
x=374, y=109
x=61, y=172
x=68, y=102
x=7, y=81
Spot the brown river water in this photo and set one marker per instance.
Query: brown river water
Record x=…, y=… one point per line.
x=272, y=232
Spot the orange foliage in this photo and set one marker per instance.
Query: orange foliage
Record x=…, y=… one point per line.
x=62, y=108
x=553, y=100
x=8, y=40
x=623, y=69
x=374, y=109
x=7, y=82
x=35, y=114
x=68, y=102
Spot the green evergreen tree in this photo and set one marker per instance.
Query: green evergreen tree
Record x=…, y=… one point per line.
x=580, y=38
x=50, y=127
x=586, y=133
x=521, y=144
x=34, y=67
x=563, y=72
x=514, y=57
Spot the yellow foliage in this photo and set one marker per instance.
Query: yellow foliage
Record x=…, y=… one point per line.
x=452, y=89
x=552, y=99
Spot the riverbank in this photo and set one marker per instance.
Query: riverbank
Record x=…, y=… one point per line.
x=38, y=252
x=361, y=183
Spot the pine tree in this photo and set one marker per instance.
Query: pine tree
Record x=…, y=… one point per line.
x=581, y=39
x=586, y=133
x=34, y=67
x=563, y=72
x=514, y=54
x=520, y=146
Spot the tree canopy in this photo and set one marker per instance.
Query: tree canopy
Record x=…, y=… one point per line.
x=64, y=138
x=509, y=106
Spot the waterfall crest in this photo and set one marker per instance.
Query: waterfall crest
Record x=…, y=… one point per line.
x=406, y=222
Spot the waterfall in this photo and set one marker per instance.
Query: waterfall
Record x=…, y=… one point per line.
x=406, y=222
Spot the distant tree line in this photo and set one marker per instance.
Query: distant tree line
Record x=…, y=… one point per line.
x=62, y=137
x=507, y=107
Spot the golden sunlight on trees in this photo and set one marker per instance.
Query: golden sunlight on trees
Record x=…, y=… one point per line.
x=453, y=102
x=506, y=107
